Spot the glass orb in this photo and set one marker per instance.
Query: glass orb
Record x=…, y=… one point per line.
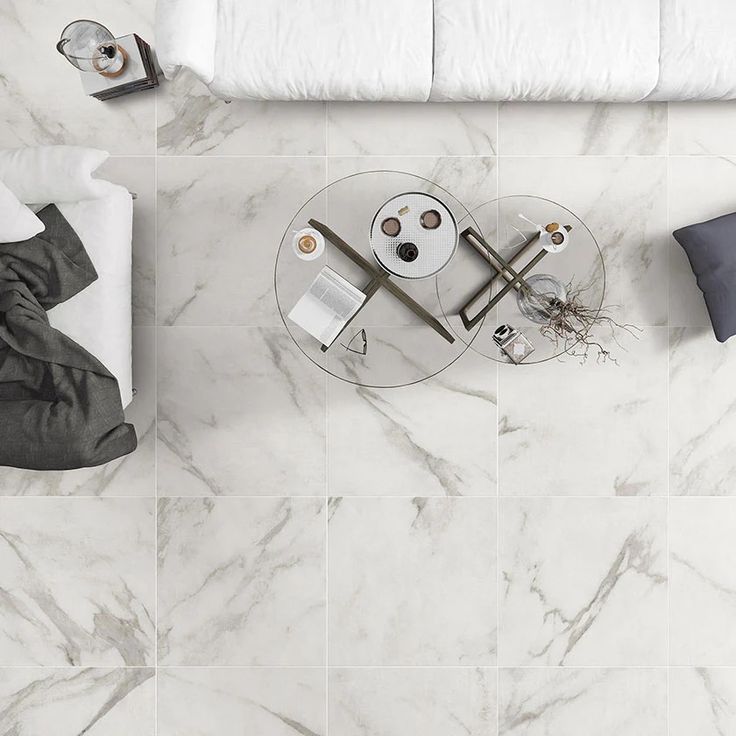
x=543, y=290
x=90, y=47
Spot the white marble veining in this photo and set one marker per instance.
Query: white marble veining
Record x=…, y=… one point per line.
x=191, y=121
x=232, y=701
x=698, y=128
x=434, y=438
x=408, y=128
x=583, y=128
x=702, y=701
x=607, y=702
x=702, y=423
x=218, y=269
x=253, y=426
x=702, y=581
x=562, y=606
x=241, y=581
x=132, y=475
x=623, y=200
x=77, y=581
x=471, y=180
x=412, y=581
x=41, y=96
x=455, y=701
x=591, y=429
x=94, y=701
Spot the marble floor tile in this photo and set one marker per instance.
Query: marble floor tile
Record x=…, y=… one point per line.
x=623, y=200
x=400, y=129
x=584, y=582
x=702, y=418
x=702, y=581
x=700, y=188
x=472, y=180
x=233, y=701
x=412, y=581
x=435, y=438
x=241, y=581
x=702, y=701
x=131, y=475
x=582, y=129
x=78, y=581
x=590, y=429
x=432, y=702
x=71, y=701
x=697, y=128
x=220, y=223
x=192, y=121
x=41, y=94
x=138, y=175
x=578, y=702
x=240, y=412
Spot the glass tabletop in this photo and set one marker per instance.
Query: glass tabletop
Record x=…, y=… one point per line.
x=521, y=229
x=401, y=334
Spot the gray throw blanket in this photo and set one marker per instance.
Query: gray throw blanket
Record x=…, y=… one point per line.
x=60, y=408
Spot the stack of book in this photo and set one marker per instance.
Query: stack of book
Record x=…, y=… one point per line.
x=140, y=72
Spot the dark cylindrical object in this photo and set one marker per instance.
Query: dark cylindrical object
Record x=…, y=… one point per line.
x=408, y=252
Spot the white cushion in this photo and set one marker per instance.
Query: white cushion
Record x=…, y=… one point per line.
x=324, y=50
x=186, y=31
x=53, y=173
x=17, y=222
x=698, y=50
x=545, y=50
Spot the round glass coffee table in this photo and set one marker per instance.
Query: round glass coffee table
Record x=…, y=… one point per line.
x=341, y=242
x=361, y=299
x=571, y=273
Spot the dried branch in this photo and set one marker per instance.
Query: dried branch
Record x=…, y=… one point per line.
x=570, y=322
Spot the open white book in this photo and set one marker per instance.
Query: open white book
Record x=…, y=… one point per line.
x=325, y=309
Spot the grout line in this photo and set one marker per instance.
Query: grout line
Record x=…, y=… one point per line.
x=459, y=667
x=155, y=406
x=326, y=384
x=498, y=472
x=428, y=155
x=348, y=496
x=667, y=424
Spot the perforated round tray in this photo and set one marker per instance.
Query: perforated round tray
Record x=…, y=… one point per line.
x=436, y=247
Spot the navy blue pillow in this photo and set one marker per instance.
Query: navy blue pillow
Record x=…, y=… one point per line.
x=711, y=248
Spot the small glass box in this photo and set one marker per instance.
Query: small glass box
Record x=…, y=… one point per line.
x=513, y=343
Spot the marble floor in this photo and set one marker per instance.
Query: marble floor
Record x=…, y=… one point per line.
x=566, y=567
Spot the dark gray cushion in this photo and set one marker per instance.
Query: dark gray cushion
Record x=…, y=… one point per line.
x=711, y=248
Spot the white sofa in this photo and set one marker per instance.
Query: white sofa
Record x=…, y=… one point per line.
x=444, y=50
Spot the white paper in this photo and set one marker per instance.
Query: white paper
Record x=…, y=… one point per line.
x=325, y=309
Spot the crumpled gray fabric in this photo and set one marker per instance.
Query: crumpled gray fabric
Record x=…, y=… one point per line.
x=60, y=408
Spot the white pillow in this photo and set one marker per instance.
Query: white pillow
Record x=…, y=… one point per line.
x=17, y=222
x=53, y=173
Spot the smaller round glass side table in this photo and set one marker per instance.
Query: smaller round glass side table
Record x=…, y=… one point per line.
x=573, y=272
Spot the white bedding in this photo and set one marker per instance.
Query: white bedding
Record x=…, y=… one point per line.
x=100, y=317
x=553, y=50
x=310, y=49
x=698, y=50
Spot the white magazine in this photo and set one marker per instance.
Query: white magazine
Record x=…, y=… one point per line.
x=325, y=309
